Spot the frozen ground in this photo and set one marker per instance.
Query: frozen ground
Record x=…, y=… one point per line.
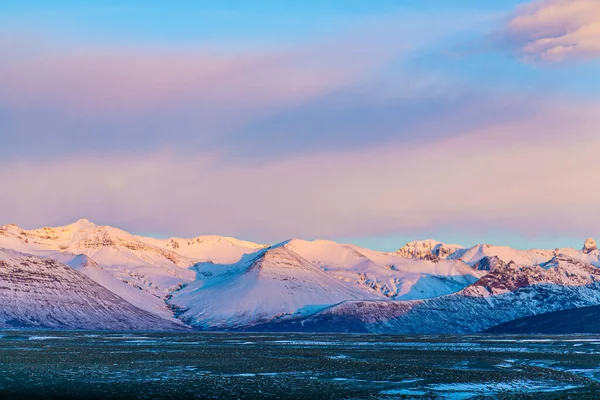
x=238, y=365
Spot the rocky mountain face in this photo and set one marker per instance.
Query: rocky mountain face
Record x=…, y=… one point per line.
x=214, y=282
x=560, y=271
x=433, y=250
x=428, y=250
x=489, y=263
x=508, y=292
x=84, y=237
x=275, y=282
x=589, y=246
x=158, y=275
x=42, y=293
x=584, y=320
x=389, y=275
x=140, y=272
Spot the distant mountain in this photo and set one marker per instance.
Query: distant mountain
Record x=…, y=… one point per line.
x=210, y=248
x=262, y=286
x=298, y=277
x=144, y=271
x=434, y=250
x=216, y=282
x=388, y=274
x=42, y=293
x=578, y=320
x=126, y=262
x=506, y=254
x=506, y=293
x=428, y=250
x=149, y=273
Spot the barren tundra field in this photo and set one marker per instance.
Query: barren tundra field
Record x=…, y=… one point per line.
x=48, y=364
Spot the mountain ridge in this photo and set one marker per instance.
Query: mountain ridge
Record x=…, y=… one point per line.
x=43, y=293
x=214, y=282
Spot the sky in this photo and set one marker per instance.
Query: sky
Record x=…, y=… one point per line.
x=374, y=123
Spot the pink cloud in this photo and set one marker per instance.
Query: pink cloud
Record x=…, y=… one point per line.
x=99, y=80
x=96, y=98
x=557, y=30
x=499, y=177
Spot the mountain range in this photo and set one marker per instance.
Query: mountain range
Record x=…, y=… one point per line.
x=86, y=276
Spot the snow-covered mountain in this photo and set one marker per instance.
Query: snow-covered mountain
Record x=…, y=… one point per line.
x=148, y=272
x=215, y=282
x=428, y=250
x=434, y=250
x=218, y=249
x=271, y=283
x=389, y=274
x=504, y=253
x=507, y=292
x=140, y=272
x=299, y=277
x=42, y=293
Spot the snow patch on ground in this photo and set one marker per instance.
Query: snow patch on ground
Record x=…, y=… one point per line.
x=472, y=389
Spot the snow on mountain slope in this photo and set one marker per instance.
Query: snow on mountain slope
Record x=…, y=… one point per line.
x=508, y=292
x=389, y=274
x=300, y=277
x=504, y=253
x=84, y=237
x=221, y=283
x=427, y=249
x=434, y=250
x=274, y=282
x=218, y=249
x=137, y=271
x=328, y=254
x=588, y=256
x=42, y=293
x=561, y=271
x=125, y=289
x=523, y=257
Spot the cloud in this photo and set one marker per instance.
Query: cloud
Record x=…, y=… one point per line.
x=341, y=138
x=556, y=30
x=363, y=118
x=493, y=178
x=246, y=107
x=101, y=81
x=59, y=99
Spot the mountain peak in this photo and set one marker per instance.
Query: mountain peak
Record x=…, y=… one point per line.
x=589, y=246
x=565, y=262
x=82, y=223
x=489, y=263
x=427, y=249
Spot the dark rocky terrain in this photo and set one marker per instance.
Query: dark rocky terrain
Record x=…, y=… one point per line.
x=578, y=320
x=101, y=365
